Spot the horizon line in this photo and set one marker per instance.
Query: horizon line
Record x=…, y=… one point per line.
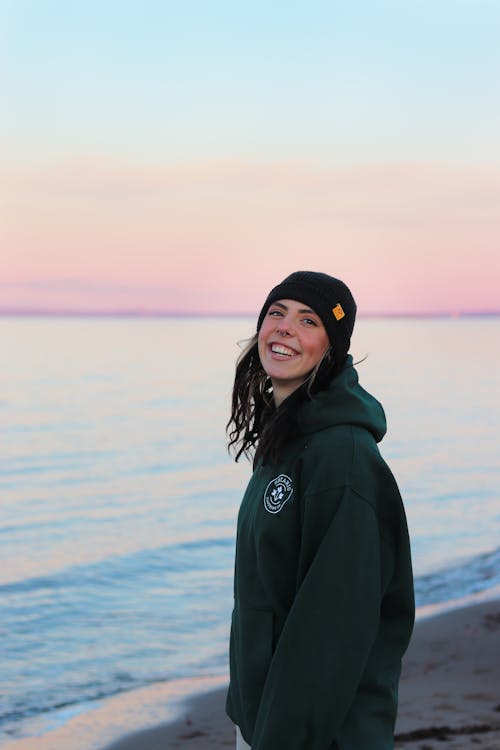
x=138, y=313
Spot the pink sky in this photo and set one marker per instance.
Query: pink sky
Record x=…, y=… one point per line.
x=186, y=157
x=98, y=234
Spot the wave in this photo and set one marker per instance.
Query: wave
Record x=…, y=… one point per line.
x=170, y=557
x=472, y=576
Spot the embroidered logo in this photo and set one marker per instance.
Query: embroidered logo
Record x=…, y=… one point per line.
x=278, y=491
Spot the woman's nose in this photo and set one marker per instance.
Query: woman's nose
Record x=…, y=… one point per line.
x=283, y=328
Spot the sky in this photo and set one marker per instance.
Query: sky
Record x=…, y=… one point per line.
x=186, y=156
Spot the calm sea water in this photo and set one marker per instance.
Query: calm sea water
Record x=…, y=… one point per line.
x=119, y=501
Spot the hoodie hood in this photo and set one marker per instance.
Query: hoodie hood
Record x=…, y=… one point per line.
x=344, y=402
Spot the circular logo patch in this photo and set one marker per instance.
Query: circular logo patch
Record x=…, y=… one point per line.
x=278, y=491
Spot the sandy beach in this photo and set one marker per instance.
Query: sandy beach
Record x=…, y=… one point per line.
x=449, y=693
x=449, y=698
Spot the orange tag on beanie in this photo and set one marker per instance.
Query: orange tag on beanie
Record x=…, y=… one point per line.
x=338, y=311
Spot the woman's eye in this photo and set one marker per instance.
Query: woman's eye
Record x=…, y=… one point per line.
x=310, y=322
x=275, y=313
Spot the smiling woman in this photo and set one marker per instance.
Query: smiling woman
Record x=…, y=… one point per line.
x=324, y=606
x=292, y=341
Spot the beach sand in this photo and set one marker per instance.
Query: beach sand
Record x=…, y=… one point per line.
x=449, y=693
x=449, y=699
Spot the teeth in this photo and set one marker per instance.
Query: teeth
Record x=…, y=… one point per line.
x=279, y=349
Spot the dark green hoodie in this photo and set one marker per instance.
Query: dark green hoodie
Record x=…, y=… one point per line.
x=323, y=589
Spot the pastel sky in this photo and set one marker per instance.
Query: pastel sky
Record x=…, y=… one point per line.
x=186, y=156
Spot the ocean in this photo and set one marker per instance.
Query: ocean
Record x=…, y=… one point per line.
x=118, y=500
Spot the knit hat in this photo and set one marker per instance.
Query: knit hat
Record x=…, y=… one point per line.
x=330, y=298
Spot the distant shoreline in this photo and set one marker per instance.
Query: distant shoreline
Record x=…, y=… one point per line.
x=141, y=314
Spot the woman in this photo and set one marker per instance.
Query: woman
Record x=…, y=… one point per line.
x=323, y=588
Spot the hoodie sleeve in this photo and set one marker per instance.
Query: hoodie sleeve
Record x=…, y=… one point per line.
x=333, y=622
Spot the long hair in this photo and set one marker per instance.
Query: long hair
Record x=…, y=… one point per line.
x=256, y=426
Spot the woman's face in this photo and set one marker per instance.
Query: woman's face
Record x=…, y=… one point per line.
x=292, y=340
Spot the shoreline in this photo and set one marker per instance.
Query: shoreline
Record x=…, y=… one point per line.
x=449, y=691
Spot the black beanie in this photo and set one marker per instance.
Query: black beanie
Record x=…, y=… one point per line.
x=330, y=298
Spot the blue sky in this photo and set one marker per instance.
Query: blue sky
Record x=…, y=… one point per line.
x=339, y=82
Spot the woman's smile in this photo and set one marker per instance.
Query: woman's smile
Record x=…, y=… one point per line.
x=282, y=351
